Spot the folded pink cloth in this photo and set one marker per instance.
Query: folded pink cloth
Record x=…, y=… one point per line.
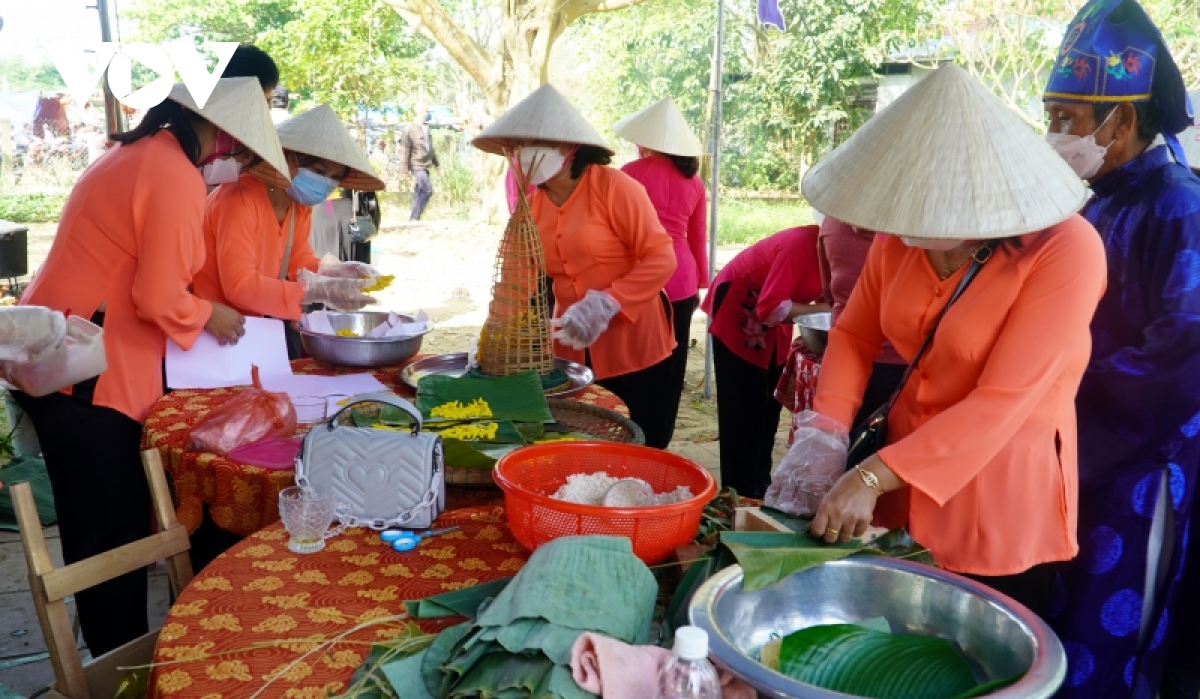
x=616, y=670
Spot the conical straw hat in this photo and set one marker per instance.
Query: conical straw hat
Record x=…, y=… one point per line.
x=660, y=127
x=946, y=160
x=1190, y=137
x=319, y=132
x=237, y=107
x=543, y=116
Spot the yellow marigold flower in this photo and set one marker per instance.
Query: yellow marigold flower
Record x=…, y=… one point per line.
x=345, y=332
x=455, y=410
x=382, y=282
x=472, y=431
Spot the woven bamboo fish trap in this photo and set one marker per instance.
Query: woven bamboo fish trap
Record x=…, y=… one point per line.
x=516, y=335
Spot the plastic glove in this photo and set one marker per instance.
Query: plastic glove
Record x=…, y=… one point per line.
x=337, y=294
x=585, y=320
x=330, y=266
x=812, y=465
x=29, y=332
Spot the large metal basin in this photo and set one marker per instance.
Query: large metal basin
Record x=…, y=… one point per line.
x=814, y=329
x=1001, y=637
x=360, y=351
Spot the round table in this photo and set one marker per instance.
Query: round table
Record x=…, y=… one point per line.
x=253, y=612
x=243, y=499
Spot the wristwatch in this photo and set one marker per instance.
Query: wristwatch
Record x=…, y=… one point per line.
x=870, y=479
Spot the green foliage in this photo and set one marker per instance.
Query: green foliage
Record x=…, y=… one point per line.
x=768, y=557
x=31, y=208
x=347, y=53
x=455, y=180
x=20, y=75
x=741, y=221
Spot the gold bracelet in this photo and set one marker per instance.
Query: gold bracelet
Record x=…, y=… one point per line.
x=870, y=479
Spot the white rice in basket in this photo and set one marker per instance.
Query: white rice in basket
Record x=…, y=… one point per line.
x=589, y=489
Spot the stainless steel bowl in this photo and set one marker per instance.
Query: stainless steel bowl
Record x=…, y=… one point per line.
x=360, y=351
x=999, y=636
x=814, y=328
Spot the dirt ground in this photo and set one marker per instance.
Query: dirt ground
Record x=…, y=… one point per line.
x=445, y=268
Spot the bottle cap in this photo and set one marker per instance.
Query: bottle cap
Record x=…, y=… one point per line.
x=691, y=643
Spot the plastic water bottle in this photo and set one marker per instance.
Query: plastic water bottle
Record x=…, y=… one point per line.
x=688, y=674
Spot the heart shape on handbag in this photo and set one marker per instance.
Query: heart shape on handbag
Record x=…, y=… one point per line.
x=369, y=480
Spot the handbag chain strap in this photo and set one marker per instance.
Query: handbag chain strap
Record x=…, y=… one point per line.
x=401, y=520
x=978, y=259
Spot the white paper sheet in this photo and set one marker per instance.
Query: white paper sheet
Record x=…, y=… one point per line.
x=323, y=386
x=410, y=329
x=209, y=365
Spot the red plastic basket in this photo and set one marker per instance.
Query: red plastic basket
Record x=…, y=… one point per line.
x=529, y=476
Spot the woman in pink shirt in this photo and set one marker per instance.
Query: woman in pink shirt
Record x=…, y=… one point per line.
x=667, y=169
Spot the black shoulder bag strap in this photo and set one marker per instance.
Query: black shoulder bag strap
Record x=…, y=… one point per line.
x=870, y=436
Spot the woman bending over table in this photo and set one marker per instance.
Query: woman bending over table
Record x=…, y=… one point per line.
x=127, y=247
x=607, y=255
x=752, y=303
x=980, y=456
x=256, y=233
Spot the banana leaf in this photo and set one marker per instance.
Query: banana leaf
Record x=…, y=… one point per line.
x=538, y=636
x=464, y=602
x=370, y=681
x=518, y=397
x=406, y=676
x=499, y=672
x=865, y=663
x=482, y=455
x=440, y=651
x=768, y=557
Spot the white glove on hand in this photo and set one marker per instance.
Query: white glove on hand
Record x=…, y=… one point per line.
x=336, y=294
x=811, y=467
x=330, y=266
x=29, y=332
x=585, y=320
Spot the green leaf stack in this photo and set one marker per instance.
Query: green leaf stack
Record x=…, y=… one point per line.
x=517, y=397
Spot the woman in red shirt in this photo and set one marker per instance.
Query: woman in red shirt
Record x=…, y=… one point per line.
x=256, y=235
x=752, y=303
x=670, y=159
x=127, y=247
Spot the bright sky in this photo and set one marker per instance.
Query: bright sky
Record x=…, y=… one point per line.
x=28, y=23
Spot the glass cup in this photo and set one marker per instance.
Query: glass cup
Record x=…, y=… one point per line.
x=309, y=409
x=306, y=516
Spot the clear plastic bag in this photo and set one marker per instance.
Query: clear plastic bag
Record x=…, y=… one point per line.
x=816, y=459
x=251, y=415
x=29, y=332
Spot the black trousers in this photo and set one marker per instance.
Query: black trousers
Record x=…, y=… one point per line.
x=647, y=393
x=683, y=310
x=1032, y=588
x=747, y=418
x=883, y=382
x=93, y=456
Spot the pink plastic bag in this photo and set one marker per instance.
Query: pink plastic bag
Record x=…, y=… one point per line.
x=250, y=416
x=275, y=453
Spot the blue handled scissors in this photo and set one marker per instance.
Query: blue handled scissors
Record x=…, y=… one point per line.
x=407, y=541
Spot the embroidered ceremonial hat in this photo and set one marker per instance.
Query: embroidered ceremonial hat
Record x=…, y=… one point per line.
x=947, y=160
x=544, y=115
x=1112, y=52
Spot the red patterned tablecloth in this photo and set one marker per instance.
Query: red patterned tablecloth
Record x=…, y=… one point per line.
x=253, y=613
x=243, y=499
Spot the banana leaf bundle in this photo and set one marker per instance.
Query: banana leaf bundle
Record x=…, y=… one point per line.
x=519, y=646
x=516, y=397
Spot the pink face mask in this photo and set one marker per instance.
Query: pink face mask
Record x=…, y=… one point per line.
x=222, y=148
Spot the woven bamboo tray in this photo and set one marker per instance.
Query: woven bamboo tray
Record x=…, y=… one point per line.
x=601, y=424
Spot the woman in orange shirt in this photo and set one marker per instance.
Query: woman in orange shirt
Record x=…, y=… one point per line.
x=256, y=235
x=127, y=246
x=981, y=444
x=606, y=253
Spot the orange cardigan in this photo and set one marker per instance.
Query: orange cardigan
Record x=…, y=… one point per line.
x=607, y=237
x=984, y=431
x=130, y=235
x=244, y=242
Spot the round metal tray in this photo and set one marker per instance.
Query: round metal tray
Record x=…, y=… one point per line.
x=456, y=365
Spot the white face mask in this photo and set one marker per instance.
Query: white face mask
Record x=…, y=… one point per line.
x=221, y=171
x=548, y=159
x=1082, y=153
x=938, y=244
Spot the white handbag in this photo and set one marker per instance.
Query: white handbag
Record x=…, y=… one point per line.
x=380, y=478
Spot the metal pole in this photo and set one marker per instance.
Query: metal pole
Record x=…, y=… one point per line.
x=715, y=83
x=114, y=118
